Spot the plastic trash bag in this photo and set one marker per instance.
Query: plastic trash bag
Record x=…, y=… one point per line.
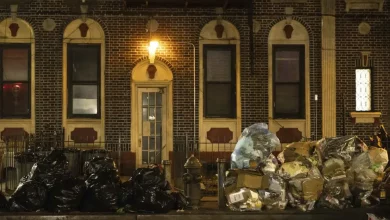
x=150, y=177
x=99, y=164
x=270, y=165
x=51, y=168
x=345, y=147
x=255, y=145
x=336, y=195
x=181, y=201
x=66, y=195
x=102, y=195
x=153, y=199
x=28, y=157
x=30, y=196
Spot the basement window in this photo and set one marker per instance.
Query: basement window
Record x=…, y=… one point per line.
x=363, y=90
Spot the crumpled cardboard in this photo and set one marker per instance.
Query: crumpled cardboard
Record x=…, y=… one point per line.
x=292, y=170
x=250, y=179
x=296, y=149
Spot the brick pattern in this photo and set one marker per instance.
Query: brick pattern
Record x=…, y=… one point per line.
x=349, y=43
x=126, y=42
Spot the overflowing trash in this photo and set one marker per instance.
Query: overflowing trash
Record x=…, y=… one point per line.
x=148, y=191
x=66, y=195
x=334, y=173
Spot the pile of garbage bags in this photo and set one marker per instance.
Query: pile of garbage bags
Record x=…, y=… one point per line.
x=332, y=173
x=50, y=186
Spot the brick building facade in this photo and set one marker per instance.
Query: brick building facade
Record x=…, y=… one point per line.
x=126, y=42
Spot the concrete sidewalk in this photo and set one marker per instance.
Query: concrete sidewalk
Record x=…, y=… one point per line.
x=354, y=214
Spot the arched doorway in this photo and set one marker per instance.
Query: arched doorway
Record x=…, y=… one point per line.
x=152, y=113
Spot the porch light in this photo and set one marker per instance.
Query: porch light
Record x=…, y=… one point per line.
x=152, y=50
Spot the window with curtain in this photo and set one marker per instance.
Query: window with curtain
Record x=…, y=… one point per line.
x=219, y=81
x=15, y=76
x=289, y=81
x=84, y=80
x=363, y=89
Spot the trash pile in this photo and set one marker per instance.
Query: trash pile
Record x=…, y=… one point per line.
x=332, y=173
x=50, y=186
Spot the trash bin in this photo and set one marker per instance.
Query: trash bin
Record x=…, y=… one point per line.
x=74, y=159
x=88, y=155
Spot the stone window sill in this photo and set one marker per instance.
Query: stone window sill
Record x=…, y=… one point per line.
x=365, y=117
x=364, y=4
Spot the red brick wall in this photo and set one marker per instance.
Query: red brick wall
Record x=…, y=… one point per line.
x=126, y=41
x=349, y=43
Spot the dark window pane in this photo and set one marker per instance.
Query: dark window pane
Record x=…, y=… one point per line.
x=85, y=99
x=145, y=143
x=152, y=157
x=145, y=114
x=287, y=68
x=152, y=124
x=15, y=64
x=287, y=99
x=145, y=98
x=158, y=128
x=158, y=143
x=219, y=66
x=158, y=99
x=84, y=63
x=15, y=99
x=152, y=143
x=219, y=100
x=145, y=157
x=152, y=99
x=158, y=114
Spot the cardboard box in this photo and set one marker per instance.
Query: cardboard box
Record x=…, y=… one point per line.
x=251, y=180
x=247, y=179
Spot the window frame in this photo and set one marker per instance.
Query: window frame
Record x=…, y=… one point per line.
x=302, y=90
x=233, y=84
x=71, y=83
x=371, y=87
x=15, y=46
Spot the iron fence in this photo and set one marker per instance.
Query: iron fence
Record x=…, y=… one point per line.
x=207, y=153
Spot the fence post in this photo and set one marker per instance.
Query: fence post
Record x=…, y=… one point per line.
x=221, y=179
x=167, y=170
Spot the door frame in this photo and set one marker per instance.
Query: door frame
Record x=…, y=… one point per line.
x=135, y=143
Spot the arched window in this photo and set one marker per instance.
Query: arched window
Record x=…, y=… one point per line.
x=289, y=77
x=83, y=76
x=219, y=79
x=17, y=75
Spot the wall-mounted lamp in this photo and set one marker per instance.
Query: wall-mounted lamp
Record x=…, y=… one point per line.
x=152, y=50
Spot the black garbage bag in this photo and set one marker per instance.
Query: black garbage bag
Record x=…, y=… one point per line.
x=66, y=195
x=127, y=194
x=153, y=200
x=99, y=164
x=150, y=177
x=102, y=193
x=27, y=157
x=4, y=206
x=181, y=201
x=50, y=169
x=30, y=196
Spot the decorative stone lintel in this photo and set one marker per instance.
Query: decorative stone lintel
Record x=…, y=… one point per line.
x=365, y=117
x=364, y=4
